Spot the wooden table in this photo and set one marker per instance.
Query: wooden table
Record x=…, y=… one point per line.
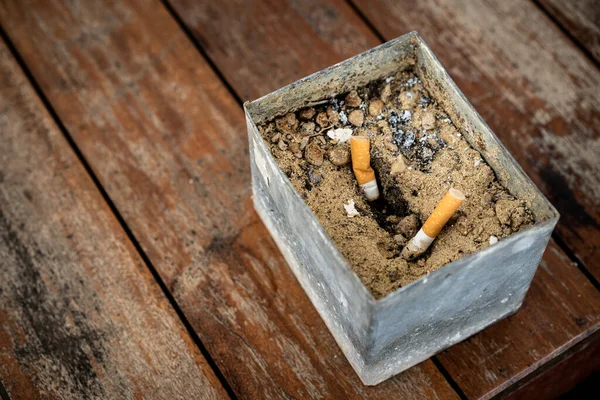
x=132, y=264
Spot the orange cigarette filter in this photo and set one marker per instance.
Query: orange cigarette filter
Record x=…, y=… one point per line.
x=360, y=149
x=443, y=212
x=434, y=224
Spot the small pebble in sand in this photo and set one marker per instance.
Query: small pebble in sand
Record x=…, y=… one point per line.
x=314, y=177
x=408, y=227
x=303, y=143
x=282, y=145
x=332, y=117
x=339, y=156
x=398, y=166
x=323, y=120
x=295, y=149
x=287, y=124
x=385, y=94
x=428, y=120
x=314, y=154
x=375, y=108
x=356, y=118
x=493, y=240
x=307, y=128
x=351, y=209
x=352, y=99
x=307, y=113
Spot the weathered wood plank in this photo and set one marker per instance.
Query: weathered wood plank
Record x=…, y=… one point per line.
x=581, y=18
x=168, y=142
x=494, y=350
x=534, y=88
x=80, y=314
x=267, y=44
x=561, y=310
x=565, y=374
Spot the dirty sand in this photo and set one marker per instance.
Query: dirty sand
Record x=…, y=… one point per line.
x=418, y=154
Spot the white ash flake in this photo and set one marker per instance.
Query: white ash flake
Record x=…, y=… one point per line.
x=493, y=240
x=412, y=81
x=343, y=117
x=340, y=134
x=389, y=79
x=477, y=162
x=351, y=209
x=405, y=116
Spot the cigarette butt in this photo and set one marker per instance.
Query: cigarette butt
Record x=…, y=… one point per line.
x=443, y=211
x=360, y=149
x=434, y=224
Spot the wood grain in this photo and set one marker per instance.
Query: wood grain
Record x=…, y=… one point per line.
x=581, y=18
x=80, y=314
x=564, y=374
x=168, y=143
x=534, y=88
x=497, y=359
x=262, y=45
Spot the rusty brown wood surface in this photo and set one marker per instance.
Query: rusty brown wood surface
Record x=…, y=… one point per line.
x=80, y=314
x=580, y=18
x=166, y=140
x=564, y=373
x=168, y=143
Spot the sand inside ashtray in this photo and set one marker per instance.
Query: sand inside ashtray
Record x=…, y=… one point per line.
x=418, y=154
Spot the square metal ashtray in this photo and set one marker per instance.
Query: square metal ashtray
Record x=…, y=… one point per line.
x=383, y=337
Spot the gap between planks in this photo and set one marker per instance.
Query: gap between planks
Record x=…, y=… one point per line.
x=567, y=33
x=188, y=327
